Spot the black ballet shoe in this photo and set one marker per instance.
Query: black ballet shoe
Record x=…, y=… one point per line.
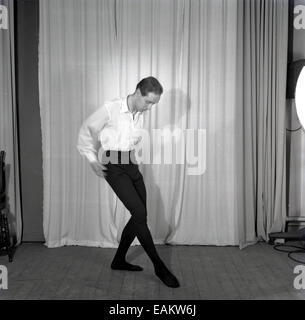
x=125, y=266
x=167, y=277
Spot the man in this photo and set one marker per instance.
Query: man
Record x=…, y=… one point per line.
x=115, y=126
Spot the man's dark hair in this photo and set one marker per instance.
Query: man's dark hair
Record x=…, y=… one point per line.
x=149, y=84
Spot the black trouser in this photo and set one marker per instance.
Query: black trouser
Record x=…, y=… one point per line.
x=127, y=182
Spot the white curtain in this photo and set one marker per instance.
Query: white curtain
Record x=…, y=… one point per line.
x=8, y=118
x=91, y=51
x=261, y=103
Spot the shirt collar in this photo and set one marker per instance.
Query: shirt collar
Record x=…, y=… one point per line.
x=124, y=106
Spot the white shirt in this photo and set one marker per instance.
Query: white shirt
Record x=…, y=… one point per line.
x=112, y=126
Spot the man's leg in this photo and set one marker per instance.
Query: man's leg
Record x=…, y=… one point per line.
x=138, y=183
x=128, y=234
x=123, y=186
x=127, y=237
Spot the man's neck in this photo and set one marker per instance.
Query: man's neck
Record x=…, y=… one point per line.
x=130, y=104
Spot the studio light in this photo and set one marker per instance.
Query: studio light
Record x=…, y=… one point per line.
x=300, y=97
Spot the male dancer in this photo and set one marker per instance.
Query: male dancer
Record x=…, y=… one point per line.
x=115, y=125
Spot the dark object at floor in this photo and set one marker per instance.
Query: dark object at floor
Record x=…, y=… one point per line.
x=5, y=239
x=288, y=236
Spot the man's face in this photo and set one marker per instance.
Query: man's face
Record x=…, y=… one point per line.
x=145, y=103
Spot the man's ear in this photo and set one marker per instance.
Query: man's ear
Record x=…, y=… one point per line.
x=138, y=92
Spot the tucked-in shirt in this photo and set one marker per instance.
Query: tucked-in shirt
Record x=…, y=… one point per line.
x=112, y=126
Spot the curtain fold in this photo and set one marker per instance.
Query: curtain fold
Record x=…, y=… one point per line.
x=261, y=109
x=91, y=51
x=8, y=121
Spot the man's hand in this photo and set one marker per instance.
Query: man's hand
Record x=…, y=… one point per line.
x=136, y=140
x=99, y=169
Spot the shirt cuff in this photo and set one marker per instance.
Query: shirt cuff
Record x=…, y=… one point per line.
x=91, y=157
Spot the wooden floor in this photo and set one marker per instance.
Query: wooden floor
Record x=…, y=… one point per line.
x=204, y=272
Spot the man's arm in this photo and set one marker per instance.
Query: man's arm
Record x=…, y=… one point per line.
x=88, y=143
